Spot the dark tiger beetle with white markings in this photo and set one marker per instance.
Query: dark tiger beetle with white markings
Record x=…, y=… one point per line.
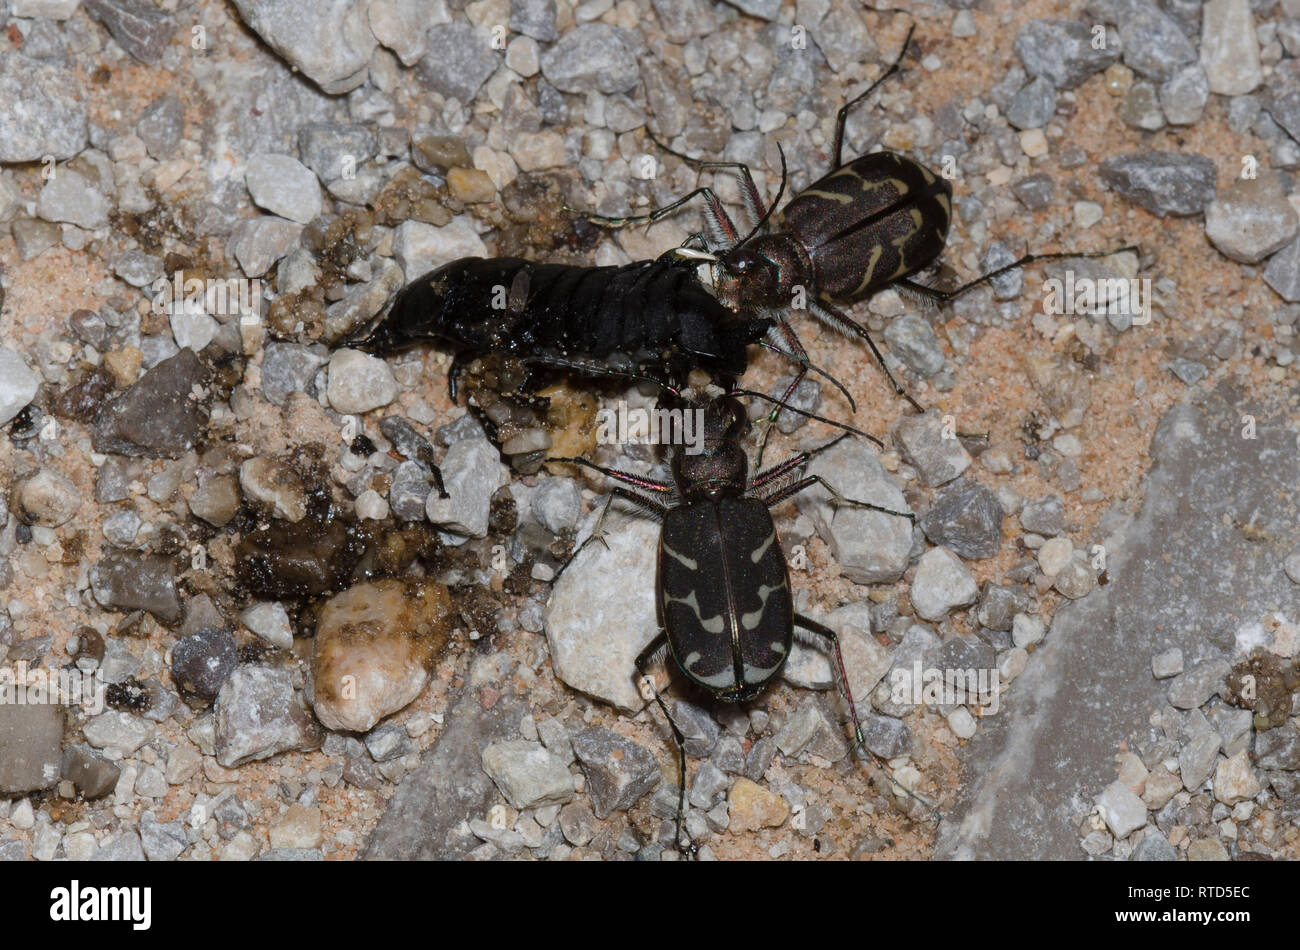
x=723, y=592
x=868, y=224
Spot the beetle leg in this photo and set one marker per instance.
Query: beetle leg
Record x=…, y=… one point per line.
x=947, y=296
x=810, y=480
x=843, y=114
x=849, y=326
x=657, y=645
x=861, y=743
x=645, y=484
x=828, y=634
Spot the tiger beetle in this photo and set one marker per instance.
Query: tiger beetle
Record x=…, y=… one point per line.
x=868, y=224
x=723, y=592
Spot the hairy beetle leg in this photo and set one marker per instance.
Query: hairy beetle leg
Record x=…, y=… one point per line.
x=842, y=116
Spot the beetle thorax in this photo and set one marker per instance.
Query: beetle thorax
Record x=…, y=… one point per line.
x=766, y=270
x=721, y=467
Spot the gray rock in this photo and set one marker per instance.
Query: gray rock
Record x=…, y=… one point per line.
x=535, y=18
x=137, y=582
x=886, y=736
x=708, y=786
x=471, y=472
x=162, y=841
x=1189, y=371
x=1278, y=748
x=408, y=490
x=69, y=197
x=291, y=854
x=1076, y=578
x=1034, y=105
x=217, y=500
x=138, y=26
x=1184, y=94
x=870, y=546
x=1140, y=107
x=1154, y=45
x=18, y=384
x=763, y=9
x=1035, y=191
x=1154, y=846
x=594, y=639
x=1165, y=183
x=119, y=733
x=528, y=775
x=259, y=242
x=1194, y=687
x=941, y=583
x=842, y=36
x=159, y=415
x=1282, y=272
x=1230, y=48
x=966, y=518
x=359, y=382
x=1045, y=516
x=698, y=727
x=557, y=504
x=125, y=847
x=618, y=771
x=270, y=621
x=202, y=662
x=259, y=714
x=460, y=58
x=93, y=775
x=138, y=268
x=162, y=126
x=388, y=741
x=1061, y=51
x=577, y=823
x=284, y=186
x=927, y=447
x=288, y=368
x=329, y=41
x=1167, y=663
x=1251, y=219
x=1121, y=809
x=911, y=338
x=593, y=57
x=31, y=746
x=332, y=150
x=1196, y=759
x=360, y=303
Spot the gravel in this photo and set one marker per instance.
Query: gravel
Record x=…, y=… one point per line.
x=1251, y=219
x=328, y=41
x=966, y=518
x=593, y=57
x=941, y=584
x=1164, y=183
x=527, y=774
x=1230, y=48
x=912, y=340
x=53, y=121
x=1154, y=44
x=619, y=772
x=1061, y=51
x=31, y=740
x=459, y=58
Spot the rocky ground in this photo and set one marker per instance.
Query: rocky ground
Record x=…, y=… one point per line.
x=231, y=523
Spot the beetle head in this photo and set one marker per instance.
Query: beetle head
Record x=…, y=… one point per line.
x=720, y=464
x=761, y=272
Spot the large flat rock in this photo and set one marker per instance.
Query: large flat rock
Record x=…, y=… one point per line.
x=1201, y=559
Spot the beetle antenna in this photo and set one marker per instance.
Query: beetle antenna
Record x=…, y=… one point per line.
x=808, y=364
x=810, y=415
